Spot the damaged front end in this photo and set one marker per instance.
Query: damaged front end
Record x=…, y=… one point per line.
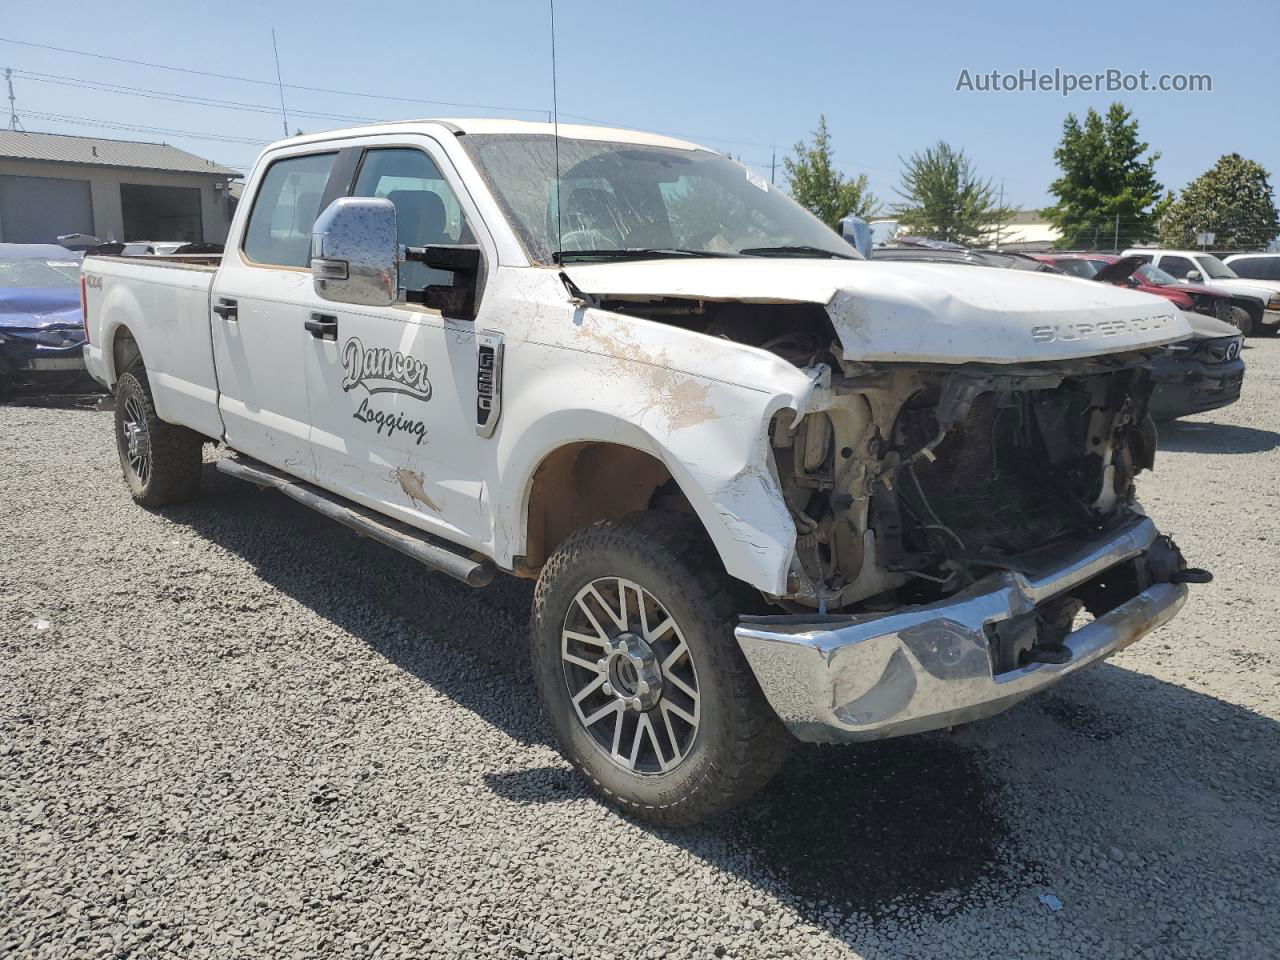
x=912, y=481
x=960, y=473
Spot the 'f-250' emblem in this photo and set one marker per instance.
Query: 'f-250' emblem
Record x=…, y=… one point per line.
x=488, y=382
x=383, y=370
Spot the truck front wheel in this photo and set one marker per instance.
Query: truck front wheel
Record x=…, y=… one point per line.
x=161, y=462
x=638, y=668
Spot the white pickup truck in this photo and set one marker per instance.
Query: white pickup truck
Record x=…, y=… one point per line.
x=768, y=489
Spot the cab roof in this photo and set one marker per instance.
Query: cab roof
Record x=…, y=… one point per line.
x=462, y=126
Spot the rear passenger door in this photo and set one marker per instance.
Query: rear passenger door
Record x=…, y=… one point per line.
x=262, y=294
x=393, y=389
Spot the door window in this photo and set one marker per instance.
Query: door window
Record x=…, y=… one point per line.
x=285, y=210
x=427, y=210
x=1177, y=266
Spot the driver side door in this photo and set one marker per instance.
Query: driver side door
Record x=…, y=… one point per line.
x=392, y=390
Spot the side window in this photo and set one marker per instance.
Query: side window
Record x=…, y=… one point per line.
x=427, y=210
x=1177, y=266
x=285, y=210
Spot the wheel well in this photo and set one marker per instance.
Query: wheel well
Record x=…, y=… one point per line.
x=581, y=483
x=124, y=351
x=1252, y=307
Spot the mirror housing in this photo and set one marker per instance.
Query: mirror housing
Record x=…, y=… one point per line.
x=355, y=255
x=1193, y=276
x=455, y=301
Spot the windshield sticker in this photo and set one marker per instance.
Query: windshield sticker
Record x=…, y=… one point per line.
x=383, y=370
x=756, y=180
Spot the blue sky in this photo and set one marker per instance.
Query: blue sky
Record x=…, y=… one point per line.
x=738, y=76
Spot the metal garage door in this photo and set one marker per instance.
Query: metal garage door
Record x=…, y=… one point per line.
x=40, y=209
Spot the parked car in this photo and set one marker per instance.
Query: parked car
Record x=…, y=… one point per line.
x=1204, y=372
x=768, y=488
x=150, y=248
x=1255, y=266
x=1134, y=272
x=41, y=331
x=1260, y=299
x=922, y=250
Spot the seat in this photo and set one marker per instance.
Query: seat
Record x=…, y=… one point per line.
x=420, y=221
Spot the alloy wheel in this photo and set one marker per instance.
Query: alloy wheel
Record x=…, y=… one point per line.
x=136, y=440
x=630, y=676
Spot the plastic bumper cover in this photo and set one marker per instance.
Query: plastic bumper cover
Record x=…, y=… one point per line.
x=922, y=668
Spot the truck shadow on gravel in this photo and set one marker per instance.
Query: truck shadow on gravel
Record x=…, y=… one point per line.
x=918, y=827
x=1176, y=436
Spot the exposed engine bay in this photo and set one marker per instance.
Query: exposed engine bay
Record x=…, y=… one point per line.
x=915, y=480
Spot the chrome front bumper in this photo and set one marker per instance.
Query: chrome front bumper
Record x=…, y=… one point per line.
x=874, y=676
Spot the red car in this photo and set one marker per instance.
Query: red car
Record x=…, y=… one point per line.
x=1134, y=273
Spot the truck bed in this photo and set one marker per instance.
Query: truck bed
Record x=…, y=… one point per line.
x=162, y=303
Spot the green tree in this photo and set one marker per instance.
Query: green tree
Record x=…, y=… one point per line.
x=816, y=185
x=1106, y=182
x=1233, y=200
x=944, y=199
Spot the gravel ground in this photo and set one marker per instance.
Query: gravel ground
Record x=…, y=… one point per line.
x=235, y=730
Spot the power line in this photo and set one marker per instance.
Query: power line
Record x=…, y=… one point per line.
x=347, y=93
x=148, y=93
x=272, y=83
x=137, y=128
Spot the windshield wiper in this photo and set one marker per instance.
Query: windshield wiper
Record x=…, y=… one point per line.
x=636, y=253
x=797, y=251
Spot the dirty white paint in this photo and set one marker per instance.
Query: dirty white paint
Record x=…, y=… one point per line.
x=410, y=482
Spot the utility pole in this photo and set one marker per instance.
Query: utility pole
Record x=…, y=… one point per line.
x=14, y=122
x=773, y=167
x=279, y=83
x=1116, y=247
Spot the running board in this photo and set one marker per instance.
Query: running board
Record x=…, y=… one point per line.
x=394, y=534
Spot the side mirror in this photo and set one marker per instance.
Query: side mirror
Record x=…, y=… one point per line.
x=457, y=300
x=1193, y=276
x=355, y=256
x=857, y=232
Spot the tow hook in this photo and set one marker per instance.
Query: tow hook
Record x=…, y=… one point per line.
x=1165, y=564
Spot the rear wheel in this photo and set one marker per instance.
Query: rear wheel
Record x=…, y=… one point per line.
x=161, y=462
x=637, y=665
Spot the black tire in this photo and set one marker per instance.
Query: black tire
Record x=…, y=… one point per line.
x=738, y=743
x=176, y=453
x=1242, y=321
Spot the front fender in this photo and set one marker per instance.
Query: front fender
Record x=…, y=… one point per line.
x=722, y=466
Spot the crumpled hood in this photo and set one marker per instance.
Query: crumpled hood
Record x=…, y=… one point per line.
x=916, y=312
x=1208, y=328
x=39, y=308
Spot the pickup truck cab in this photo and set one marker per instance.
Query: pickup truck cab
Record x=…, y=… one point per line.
x=1260, y=299
x=768, y=489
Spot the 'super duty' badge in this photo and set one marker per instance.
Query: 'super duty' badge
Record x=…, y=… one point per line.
x=1070, y=332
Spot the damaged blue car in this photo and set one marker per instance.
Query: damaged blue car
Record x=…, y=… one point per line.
x=41, y=327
